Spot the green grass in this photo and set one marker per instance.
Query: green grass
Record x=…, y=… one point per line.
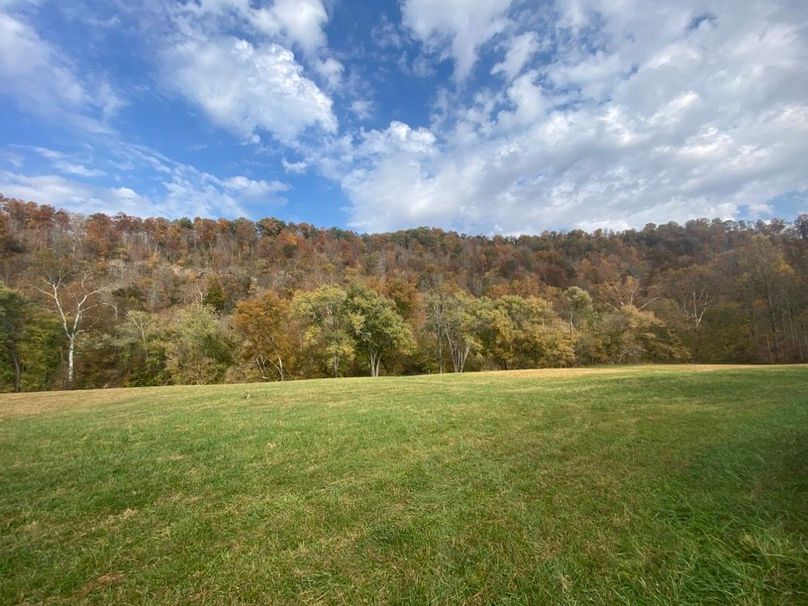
x=654, y=485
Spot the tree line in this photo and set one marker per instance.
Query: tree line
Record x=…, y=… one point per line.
x=113, y=301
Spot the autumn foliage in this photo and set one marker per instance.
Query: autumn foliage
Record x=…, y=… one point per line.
x=101, y=301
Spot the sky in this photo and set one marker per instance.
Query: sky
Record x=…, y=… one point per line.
x=481, y=116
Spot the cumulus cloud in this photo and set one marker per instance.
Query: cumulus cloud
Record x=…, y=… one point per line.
x=236, y=60
x=582, y=113
x=248, y=89
x=398, y=137
x=300, y=20
x=456, y=27
x=292, y=22
x=362, y=108
x=330, y=70
x=641, y=115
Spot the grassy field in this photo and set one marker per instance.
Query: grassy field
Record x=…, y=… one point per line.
x=654, y=485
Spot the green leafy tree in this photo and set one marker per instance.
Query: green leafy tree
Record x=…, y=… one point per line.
x=523, y=332
x=42, y=352
x=199, y=350
x=578, y=305
x=328, y=325
x=377, y=327
x=13, y=312
x=141, y=342
x=453, y=320
x=215, y=296
x=632, y=335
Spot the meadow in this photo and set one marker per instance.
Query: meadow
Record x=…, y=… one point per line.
x=631, y=485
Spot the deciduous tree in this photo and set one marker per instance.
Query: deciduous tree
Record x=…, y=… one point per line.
x=377, y=327
x=264, y=322
x=13, y=311
x=327, y=324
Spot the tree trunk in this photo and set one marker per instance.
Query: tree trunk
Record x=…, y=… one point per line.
x=71, y=348
x=375, y=359
x=17, y=373
x=464, y=355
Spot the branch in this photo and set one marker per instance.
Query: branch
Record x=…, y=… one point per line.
x=647, y=304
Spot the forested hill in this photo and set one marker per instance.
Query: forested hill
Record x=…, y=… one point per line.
x=107, y=301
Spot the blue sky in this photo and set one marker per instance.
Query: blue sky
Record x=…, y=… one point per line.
x=485, y=116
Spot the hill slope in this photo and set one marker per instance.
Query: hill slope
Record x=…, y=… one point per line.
x=653, y=485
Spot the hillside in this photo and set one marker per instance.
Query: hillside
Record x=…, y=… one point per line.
x=105, y=301
x=652, y=485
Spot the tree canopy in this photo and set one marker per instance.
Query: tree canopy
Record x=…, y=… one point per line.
x=101, y=300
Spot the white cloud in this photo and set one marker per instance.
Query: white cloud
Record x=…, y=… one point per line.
x=164, y=187
x=67, y=163
x=528, y=100
x=42, y=81
x=362, y=108
x=398, y=137
x=253, y=188
x=520, y=50
x=300, y=20
x=331, y=70
x=76, y=196
x=461, y=25
x=187, y=193
x=297, y=168
x=642, y=116
x=248, y=89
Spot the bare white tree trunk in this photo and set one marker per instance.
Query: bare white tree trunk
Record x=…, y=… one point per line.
x=71, y=354
x=459, y=352
x=71, y=318
x=375, y=361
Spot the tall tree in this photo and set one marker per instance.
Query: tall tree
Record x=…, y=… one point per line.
x=520, y=332
x=328, y=329
x=199, y=348
x=768, y=282
x=141, y=340
x=74, y=294
x=12, y=329
x=377, y=327
x=264, y=323
x=452, y=318
x=579, y=305
x=436, y=304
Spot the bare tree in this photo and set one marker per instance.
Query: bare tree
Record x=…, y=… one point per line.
x=73, y=300
x=627, y=292
x=691, y=291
